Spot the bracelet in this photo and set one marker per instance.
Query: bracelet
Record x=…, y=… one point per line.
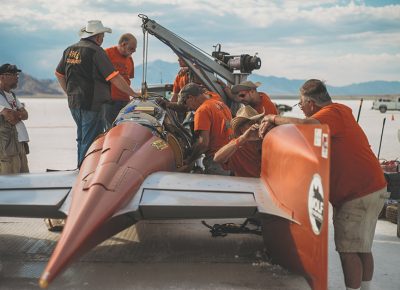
x=273, y=120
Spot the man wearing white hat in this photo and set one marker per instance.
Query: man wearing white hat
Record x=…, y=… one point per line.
x=85, y=73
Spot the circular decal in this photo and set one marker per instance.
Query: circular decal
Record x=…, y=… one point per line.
x=316, y=204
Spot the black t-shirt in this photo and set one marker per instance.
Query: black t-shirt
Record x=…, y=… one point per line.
x=86, y=68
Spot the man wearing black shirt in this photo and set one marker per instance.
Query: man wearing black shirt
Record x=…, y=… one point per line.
x=85, y=73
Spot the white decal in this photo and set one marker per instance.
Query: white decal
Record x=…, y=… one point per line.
x=316, y=204
x=324, y=150
x=317, y=137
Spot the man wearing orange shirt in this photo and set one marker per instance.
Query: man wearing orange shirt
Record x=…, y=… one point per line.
x=357, y=184
x=181, y=79
x=246, y=93
x=242, y=155
x=211, y=125
x=121, y=58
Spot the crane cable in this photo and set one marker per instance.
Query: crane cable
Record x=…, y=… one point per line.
x=144, y=60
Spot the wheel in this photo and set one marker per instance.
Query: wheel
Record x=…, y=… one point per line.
x=382, y=214
x=382, y=109
x=391, y=213
x=55, y=225
x=398, y=222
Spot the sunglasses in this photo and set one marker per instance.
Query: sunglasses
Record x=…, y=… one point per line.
x=301, y=104
x=242, y=95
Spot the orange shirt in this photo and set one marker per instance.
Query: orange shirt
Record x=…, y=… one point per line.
x=266, y=105
x=355, y=171
x=246, y=161
x=215, y=117
x=181, y=79
x=214, y=95
x=125, y=67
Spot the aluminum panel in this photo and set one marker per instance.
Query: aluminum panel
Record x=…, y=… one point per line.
x=193, y=204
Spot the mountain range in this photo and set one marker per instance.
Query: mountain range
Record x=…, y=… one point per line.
x=164, y=72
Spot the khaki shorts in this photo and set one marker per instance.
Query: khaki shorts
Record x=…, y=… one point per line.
x=15, y=164
x=355, y=221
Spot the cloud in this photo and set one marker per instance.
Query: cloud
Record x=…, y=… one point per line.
x=294, y=38
x=336, y=69
x=261, y=14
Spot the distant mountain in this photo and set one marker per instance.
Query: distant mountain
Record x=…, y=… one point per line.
x=28, y=85
x=282, y=86
x=368, y=88
x=164, y=72
x=158, y=72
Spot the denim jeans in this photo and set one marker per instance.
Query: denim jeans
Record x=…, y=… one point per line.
x=89, y=126
x=111, y=111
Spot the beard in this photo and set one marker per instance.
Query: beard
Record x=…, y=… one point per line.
x=14, y=85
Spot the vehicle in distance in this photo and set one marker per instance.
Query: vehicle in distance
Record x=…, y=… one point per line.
x=386, y=103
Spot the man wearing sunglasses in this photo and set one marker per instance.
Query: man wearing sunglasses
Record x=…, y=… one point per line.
x=357, y=184
x=212, y=127
x=13, y=134
x=246, y=93
x=121, y=57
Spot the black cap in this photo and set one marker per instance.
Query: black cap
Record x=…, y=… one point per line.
x=190, y=89
x=245, y=86
x=9, y=69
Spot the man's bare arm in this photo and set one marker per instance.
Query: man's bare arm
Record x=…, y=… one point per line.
x=22, y=113
x=123, y=86
x=226, y=152
x=201, y=146
x=62, y=81
x=271, y=121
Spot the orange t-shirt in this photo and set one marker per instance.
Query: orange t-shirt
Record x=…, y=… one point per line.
x=214, y=95
x=125, y=67
x=181, y=79
x=215, y=117
x=246, y=161
x=355, y=171
x=266, y=104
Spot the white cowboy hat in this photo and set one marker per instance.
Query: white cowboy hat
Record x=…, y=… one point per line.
x=93, y=27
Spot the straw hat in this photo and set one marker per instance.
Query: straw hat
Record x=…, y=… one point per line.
x=93, y=27
x=246, y=113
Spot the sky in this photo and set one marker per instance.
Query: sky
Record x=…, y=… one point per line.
x=340, y=42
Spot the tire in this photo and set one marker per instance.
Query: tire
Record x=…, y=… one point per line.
x=382, y=214
x=391, y=213
x=55, y=225
x=398, y=222
x=382, y=109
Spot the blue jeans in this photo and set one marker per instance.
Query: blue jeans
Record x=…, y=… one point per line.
x=89, y=126
x=111, y=111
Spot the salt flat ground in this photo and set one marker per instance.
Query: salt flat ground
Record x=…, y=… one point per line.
x=53, y=146
x=52, y=131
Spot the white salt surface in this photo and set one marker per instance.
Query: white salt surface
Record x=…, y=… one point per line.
x=52, y=133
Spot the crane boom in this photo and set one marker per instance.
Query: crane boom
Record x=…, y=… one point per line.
x=232, y=68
